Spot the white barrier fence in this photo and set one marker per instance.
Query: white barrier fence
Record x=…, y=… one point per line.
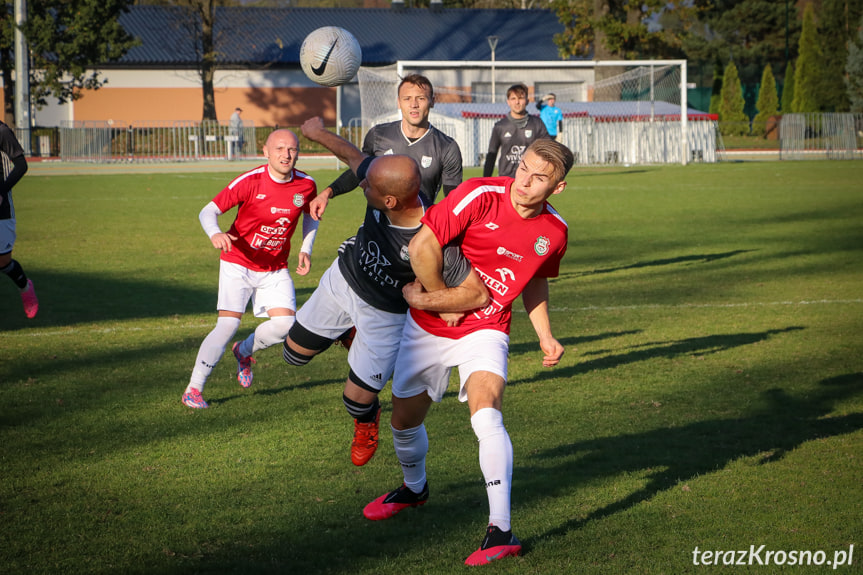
x=105, y=142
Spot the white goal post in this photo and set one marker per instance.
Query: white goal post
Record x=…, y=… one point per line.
x=636, y=114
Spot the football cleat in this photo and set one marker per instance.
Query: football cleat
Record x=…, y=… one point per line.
x=193, y=399
x=365, y=440
x=244, y=366
x=391, y=503
x=496, y=544
x=30, y=301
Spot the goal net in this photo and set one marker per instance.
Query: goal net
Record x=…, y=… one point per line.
x=614, y=112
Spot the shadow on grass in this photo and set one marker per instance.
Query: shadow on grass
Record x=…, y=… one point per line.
x=680, y=454
x=668, y=349
x=533, y=346
x=666, y=457
x=67, y=299
x=696, y=258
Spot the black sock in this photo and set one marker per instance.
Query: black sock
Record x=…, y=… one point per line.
x=16, y=274
x=362, y=412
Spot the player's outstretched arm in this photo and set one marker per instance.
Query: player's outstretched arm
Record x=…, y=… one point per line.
x=535, y=298
x=313, y=129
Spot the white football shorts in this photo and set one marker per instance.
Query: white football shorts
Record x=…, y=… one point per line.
x=334, y=307
x=425, y=360
x=7, y=235
x=238, y=284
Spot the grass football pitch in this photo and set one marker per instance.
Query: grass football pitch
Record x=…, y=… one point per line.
x=709, y=408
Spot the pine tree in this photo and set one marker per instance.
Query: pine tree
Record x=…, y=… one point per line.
x=854, y=69
x=732, y=120
x=768, y=102
x=836, y=31
x=788, y=90
x=807, y=76
x=717, y=88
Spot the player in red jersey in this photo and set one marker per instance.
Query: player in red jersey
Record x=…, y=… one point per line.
x=515, y=240
x=254, y=258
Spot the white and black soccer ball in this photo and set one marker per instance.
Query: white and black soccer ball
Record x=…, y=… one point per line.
x=330, y=56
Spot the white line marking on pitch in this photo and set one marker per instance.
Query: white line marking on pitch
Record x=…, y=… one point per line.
x=705, y=305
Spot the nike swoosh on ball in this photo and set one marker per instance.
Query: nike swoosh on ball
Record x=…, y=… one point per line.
x=318, y=70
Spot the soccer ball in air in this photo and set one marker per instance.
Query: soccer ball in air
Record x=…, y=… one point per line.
x=330, y=56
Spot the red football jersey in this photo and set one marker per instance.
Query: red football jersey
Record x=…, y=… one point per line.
x=506, y=250
x=267, y=216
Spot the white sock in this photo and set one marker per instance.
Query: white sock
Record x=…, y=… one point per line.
x=495, y=461
x=211, y=351
x=269, y=333
x=411, y=446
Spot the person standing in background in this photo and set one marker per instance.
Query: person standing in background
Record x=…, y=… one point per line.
x=512, y=134
x=551, y=116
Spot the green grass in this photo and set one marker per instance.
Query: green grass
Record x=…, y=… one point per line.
x=711, y=395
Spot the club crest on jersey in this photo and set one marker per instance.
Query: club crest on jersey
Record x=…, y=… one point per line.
x=298, y=200
x=528, y=133
x=404, y=254
x=426, y=161
x=541, y=246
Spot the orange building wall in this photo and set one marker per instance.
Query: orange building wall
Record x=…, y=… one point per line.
x=264, y=106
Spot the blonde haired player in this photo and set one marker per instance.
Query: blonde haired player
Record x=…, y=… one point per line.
x=515, y=241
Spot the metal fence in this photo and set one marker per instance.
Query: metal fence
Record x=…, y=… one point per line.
x=617, y=140
x=106, y=142
x=594, y=141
